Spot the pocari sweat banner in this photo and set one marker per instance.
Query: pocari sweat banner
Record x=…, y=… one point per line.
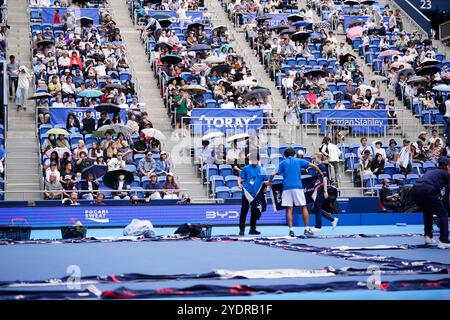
x=226, y=120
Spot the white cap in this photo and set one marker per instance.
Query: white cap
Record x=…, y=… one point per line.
x=300, y=152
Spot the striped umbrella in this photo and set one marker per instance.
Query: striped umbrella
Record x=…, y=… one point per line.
x=198, y=67
x=322, y=25
x=386, y=53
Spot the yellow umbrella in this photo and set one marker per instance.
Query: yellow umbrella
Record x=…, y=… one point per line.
x=58, y=131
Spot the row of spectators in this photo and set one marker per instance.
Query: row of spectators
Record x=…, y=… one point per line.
x=82, y=65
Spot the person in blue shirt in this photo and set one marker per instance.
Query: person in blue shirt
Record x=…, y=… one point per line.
x=320, y=194
x=293, y=193
x=427, y=194
x=251, y=179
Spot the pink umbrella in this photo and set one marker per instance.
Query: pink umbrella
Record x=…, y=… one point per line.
x=355, y=32
x=388, y=53
x=397, y=65
x=199, y=67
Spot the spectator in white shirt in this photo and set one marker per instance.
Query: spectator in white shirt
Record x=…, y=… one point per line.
x=377, y=148
x=116, y=163
x=227, y=104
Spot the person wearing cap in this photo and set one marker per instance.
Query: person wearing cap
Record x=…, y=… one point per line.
x=163, y=164
x=153, y=184
x=251, y=180
x=293, y=193
x=68, y=185
x=116, y=162
x=227, y=104
x=170, y=185
x=147, y=165
x=427, y=194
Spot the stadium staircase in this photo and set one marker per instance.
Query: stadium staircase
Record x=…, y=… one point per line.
x=148, y=91
x=219, y=17
x=23, y=176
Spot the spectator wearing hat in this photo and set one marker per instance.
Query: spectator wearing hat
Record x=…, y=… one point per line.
x=68, y=185
x=227, y=104
x=428, y=101
x=153, y=184
x=378, y=148
x=53, y=188
x=24, y=79
x=170, y=184
x=163, y=164
x=392, y=151
x=147, y=165
x=405, y=157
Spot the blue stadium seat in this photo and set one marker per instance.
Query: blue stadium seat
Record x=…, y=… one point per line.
x=130, y=167
x=222, y=192
x=137, y=191
x=389, y=169
x=412, y=178
x=236, y=193
x=211, y=170
x=231, y=181
x=217, y=181
x=211, y=104
x=225, y=170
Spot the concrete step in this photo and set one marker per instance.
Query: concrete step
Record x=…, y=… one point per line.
x=23, y=177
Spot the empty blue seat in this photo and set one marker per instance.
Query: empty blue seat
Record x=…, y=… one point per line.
x=217, y=181
x=130, y=167
x=211, y=170
x=398, y=177
x=225, y=170
x=389, y=169
x=412, y=178
x=236, y=193
x=222, y=192
x=211, y=104
x=231, y=181
x=383, y=176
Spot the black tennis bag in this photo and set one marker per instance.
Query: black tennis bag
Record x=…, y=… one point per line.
x=330, y=205
x=194, y=230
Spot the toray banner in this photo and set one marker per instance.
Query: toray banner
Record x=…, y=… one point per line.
x=48, y=14
x=358, y=121
x=276, y=18
x=59, y=115
x=226, y=120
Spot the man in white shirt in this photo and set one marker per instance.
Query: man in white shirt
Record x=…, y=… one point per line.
x=227, y=104
x=68, y=87
x=364, y=146
x=64, y=60
x=70, y=102
x=116, y=163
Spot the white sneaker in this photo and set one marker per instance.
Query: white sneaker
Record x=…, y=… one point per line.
x=334, y=223
x=316, y=229
x=443, y=245
x=430, y=241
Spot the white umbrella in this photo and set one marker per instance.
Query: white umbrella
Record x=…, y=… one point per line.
x=154, y=133
x=212, y=135
x=126, y=130
x=379, y=78
x=59, y=151
x=442, y=87
x=244, y=83
x=214, y=60
x=365, y=87
x=239, y=137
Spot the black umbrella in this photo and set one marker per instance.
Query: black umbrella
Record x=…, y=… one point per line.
x=355, y=23
x=343, y=59
x=195, y=25
x=161, y=45
x=287, y=32
x=44, y=42
x=117, y=86
x=86, y=21
x=430, y=62
x=315, y=73
x=428, y=70
x=263, y=18
x=97, y=56
x=96, y=170
x=368, y=2
x=164, y=23
x=257, y=94
x=261, y=88
x=278, y=29
x=112, y=176
x=351, y=2
x=295, y=18
x=221, y=68
x=220, y=29
x=40, y=95
x=171, y=59
x=107, y=107
x=300, y=36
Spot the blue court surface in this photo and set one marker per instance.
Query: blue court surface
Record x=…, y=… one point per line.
x=331, y=249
